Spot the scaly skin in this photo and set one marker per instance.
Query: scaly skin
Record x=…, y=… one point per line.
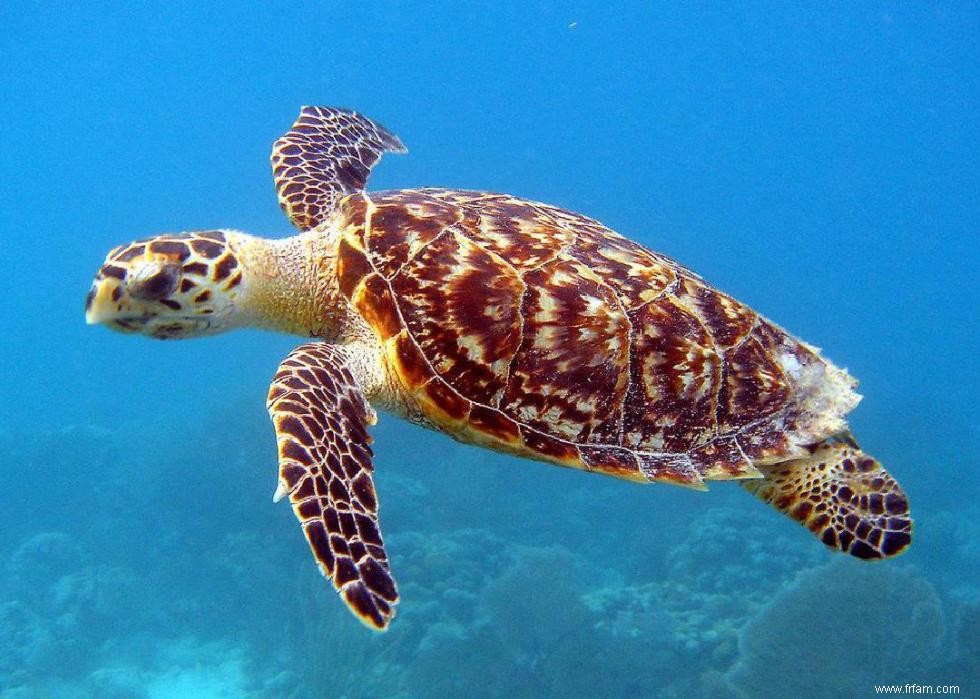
x=222, y=280
x=213, y=281
x=659, y=388
x=505, y=323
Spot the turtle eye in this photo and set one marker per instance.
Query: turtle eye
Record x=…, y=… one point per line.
x=155, y=283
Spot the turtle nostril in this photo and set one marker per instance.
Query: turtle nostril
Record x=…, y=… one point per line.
x=89, y=299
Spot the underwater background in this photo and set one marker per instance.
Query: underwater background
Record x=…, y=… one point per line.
x=819, y=162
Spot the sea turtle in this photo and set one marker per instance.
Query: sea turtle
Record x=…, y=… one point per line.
x=505, y=323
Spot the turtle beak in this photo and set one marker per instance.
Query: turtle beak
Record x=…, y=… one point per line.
x=99, y=304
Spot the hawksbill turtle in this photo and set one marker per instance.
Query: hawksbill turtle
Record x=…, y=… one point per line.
x=505, y=323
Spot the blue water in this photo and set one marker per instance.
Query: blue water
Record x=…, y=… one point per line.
x=819, y=163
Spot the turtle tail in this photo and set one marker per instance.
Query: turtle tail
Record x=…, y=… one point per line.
x=842, y=495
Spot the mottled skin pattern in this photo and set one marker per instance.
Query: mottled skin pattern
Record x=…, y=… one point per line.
x=321, y=420
x=844, y=497
x=505, y=323
x=313, y=173
x=194, y=273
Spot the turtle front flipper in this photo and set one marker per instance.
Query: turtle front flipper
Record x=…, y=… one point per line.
x=843, y=496
x=327, y=155
x=321, y=418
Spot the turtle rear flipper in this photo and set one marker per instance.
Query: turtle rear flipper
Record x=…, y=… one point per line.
x=843, y=496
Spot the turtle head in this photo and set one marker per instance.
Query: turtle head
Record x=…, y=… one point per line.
x=170, y=286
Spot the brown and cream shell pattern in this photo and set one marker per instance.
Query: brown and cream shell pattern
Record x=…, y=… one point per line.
x=529, y=329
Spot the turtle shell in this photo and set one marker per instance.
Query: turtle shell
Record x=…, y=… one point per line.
x=533, y=330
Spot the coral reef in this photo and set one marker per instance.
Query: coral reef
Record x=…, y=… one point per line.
x=961, y=661
x=838, y=630
x=517, y=581
x=724, y=565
